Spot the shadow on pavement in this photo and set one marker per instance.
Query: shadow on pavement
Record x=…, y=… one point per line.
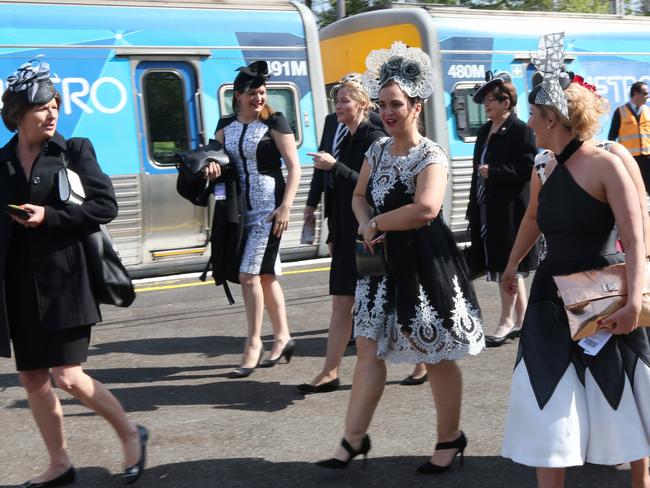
x=397, y=472
x=211, y=346
x=235, y=395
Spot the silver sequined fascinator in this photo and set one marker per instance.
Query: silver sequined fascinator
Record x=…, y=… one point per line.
x=549, y=61
x=32, y=79
x=410, y=67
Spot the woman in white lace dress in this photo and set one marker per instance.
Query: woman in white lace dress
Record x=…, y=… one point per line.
x=425, y=309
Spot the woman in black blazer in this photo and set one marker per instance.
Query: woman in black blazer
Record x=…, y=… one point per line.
x=340, y=178
x=49, y=305
x=503, y=161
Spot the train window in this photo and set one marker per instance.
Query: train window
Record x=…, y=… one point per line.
x=166, y=113
x=470, y=116
x=282, y=97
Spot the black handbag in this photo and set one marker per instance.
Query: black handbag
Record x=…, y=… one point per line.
x=369, y=263
x=109, y=279
x=190, y=183
x=373, y=263
x=474, y=270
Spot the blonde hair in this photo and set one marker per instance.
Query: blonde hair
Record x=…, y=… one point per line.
x=585, y=110
x=358, y=94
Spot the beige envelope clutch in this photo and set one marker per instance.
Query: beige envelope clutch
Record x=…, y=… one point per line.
x=590, y=296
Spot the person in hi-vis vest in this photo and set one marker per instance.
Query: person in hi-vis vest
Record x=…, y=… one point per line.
x=631, y=126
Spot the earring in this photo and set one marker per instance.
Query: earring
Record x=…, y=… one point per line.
x=548, y=127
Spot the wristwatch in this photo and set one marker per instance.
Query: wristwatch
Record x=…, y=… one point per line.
x=373, y=224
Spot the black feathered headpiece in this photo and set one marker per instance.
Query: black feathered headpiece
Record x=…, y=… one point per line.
x=32, y=80
x=252, y=76
x=492, y=80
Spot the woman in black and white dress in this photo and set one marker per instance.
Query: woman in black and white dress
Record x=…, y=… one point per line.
x=566, y=407
x=257, y=140
x=425, y=308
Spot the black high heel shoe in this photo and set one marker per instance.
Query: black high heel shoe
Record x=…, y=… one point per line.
x=65, y=479
x=459, y=443
x=334, y=463
x=333, y=385
x=132, y=473
x=242, y=372
x=411, y=380
x=496, y=341
x=287, y=352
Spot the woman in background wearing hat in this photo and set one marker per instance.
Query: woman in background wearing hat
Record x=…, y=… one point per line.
x=257, y=140
x=49, y=301
x=503, y=161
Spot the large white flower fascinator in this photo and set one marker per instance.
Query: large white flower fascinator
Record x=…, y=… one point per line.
x=410, y=67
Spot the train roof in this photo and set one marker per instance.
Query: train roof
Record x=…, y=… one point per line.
x=229, y=4
x=442, y=10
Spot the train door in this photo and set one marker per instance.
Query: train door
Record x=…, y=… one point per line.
x=170, y=122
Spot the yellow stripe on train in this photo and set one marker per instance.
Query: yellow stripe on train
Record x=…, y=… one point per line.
x=346, y=53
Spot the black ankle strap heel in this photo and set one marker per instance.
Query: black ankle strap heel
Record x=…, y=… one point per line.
x=363, y=450
x=460, y=443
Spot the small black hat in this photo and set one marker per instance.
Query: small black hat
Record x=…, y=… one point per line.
x=252, y=76
x=491, y=81
x=32, y=80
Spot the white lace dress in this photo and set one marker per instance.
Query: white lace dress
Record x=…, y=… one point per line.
x=425, y=310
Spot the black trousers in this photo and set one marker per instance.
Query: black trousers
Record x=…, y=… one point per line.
x=644, y=166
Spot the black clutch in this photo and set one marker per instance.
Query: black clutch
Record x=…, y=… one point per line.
x=369, y=263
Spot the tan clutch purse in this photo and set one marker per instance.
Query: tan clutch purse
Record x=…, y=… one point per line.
x=590, y=296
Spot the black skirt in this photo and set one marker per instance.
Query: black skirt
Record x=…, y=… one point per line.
x=343, y=227
x=45, y=350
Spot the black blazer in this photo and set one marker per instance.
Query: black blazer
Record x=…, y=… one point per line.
x=65, y=298
x=510, y=156
x=320, y=179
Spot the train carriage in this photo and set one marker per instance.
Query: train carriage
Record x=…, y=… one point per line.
x=146, y=79
x=610, y=52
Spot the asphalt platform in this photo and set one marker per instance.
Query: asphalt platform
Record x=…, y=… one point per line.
x=167, y=357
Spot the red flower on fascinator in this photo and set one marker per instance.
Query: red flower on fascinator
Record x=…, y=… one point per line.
x=581, y=81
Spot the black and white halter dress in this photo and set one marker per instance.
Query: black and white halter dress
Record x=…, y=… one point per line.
x=259, y=165
x=425, y=310
x=567, y=407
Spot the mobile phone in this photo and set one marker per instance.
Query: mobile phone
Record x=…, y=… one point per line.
x=16, y=211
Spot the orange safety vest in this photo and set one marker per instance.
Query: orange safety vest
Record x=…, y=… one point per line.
x=633, y=134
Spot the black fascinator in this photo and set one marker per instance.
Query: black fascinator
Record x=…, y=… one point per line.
x=252, y=76
x=491, y=82
x=32, y=81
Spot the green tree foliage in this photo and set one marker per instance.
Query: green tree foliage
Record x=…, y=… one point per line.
x=325, y=10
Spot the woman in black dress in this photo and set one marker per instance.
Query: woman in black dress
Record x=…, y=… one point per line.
x=503, y=160
x=352, y=108
x=49, y=302
x=424, y=309
x=566, y=407
x=257, y=141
